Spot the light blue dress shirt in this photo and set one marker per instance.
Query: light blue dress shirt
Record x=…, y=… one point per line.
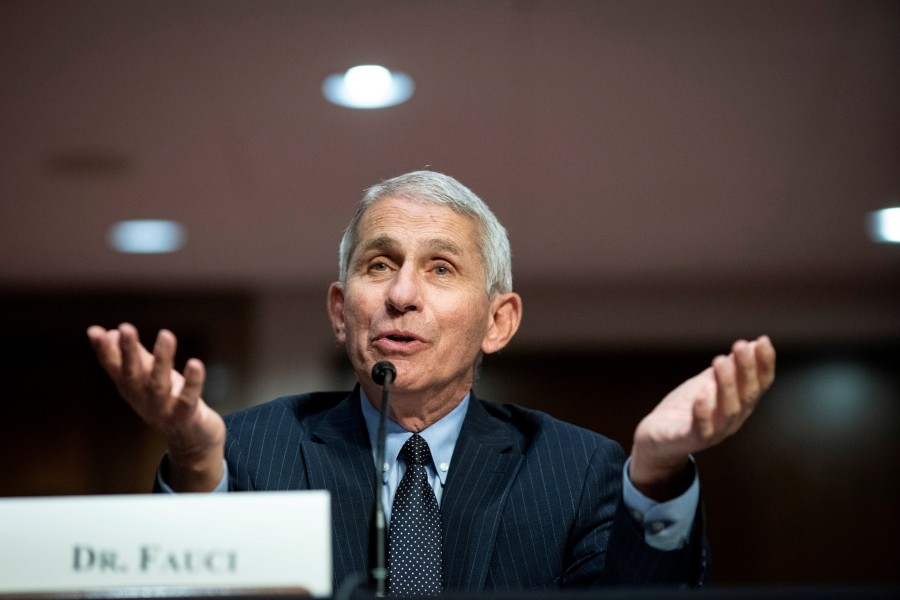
x=441, y=438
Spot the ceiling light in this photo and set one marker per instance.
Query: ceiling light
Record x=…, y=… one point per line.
x=146, y=236
x=884, y=225
x=368, y=86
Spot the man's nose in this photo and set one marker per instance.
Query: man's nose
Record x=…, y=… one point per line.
x=404, y=291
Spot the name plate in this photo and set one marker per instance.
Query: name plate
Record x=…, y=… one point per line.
x=234, y=541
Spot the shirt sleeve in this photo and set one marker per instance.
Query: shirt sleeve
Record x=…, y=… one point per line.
x=667, y=525
x=166, y=489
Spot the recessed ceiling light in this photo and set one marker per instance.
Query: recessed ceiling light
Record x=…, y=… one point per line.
x=884, y=225
x=368, y=86
x=146, y=236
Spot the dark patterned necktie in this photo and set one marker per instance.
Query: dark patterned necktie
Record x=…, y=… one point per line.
x=414, y=547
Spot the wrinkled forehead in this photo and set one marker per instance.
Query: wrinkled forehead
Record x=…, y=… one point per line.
x=439, y=224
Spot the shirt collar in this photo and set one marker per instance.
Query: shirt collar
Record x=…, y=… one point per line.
x=441, y=436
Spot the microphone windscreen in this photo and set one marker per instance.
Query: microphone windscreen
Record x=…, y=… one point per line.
x=382, y=371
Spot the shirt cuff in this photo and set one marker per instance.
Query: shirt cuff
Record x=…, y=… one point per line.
x=667, y=525
x=166, y=489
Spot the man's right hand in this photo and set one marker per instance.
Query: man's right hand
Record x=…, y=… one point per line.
x=167, y=401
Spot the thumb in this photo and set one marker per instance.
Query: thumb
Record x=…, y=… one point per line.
x=191, y=390
x=703, y=416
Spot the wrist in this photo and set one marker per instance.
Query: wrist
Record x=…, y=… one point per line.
x=194, y=472
x=661, y=480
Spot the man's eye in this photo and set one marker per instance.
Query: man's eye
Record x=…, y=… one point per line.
x=441, y=270
x=379, y=266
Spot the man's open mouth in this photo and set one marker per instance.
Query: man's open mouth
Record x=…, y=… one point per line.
x=401, y=338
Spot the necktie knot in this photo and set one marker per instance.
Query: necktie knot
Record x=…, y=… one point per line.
x=415, y=451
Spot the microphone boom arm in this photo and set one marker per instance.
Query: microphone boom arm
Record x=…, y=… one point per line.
x=383, y=373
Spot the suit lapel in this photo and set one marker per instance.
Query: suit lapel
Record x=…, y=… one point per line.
x=339, y=459
x=485, y=462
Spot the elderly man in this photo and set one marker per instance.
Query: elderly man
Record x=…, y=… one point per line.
x=521, y=500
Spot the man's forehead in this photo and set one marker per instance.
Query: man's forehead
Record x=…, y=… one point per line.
x=390, y=221
x=409, y=207
x=390, y=242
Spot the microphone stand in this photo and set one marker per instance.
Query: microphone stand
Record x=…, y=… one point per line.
x=384, y=374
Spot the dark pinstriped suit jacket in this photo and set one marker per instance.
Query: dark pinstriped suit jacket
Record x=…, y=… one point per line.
x=530, y=502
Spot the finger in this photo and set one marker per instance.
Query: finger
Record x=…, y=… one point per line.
x=189, y=397
x=747, y=377
x=727, y=402
x=765, y=359
x=96, y=334
x=703, y=409
x=106, y=347
x=163, y=362
x=194, y=376
x=130, y=347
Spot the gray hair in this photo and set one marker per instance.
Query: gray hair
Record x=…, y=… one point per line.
x=436, y=188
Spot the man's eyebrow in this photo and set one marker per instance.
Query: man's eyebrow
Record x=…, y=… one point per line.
x=382, y=242
x=445, y=245
x=386, y=242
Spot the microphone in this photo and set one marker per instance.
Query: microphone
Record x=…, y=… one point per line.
x=383, y=373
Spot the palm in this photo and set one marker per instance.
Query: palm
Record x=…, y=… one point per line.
x=169, y=401
x=702, y=411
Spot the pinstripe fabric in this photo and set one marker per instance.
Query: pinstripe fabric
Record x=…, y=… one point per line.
x=530, y=502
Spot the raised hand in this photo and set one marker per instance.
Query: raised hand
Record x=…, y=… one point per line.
x=168, y=401
x=698, y=414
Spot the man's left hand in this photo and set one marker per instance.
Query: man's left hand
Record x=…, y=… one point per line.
x=698, y=414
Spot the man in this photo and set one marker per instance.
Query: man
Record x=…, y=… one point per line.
x=526, y=501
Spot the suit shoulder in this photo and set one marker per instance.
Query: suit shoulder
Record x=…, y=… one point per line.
x=301, y=406
x=541, y=427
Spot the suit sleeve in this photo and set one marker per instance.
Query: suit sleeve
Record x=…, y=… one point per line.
x=608, y=546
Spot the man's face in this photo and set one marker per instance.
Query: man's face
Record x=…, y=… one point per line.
x=415, y=295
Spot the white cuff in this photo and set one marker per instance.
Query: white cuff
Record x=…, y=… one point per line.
x=667, y=525
x=221, y=487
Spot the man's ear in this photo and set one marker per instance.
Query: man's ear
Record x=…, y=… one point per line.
x=506, y=314
x=336, y=310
